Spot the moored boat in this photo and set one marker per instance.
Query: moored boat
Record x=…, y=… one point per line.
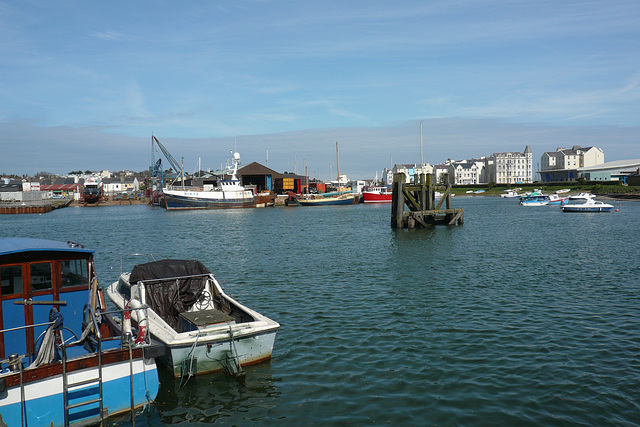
x=377, y=195
x=534, y=199
x=590, y=205
x=342, y=199
x=202, y=328
x=338, y=199
x=554, y=199
x=226, y=193
x=63, y=362
x=582, y=196
x=92, y=193
x=510, y=194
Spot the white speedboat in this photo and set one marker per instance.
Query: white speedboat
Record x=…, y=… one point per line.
x=202, y=328
x=510, y=194
x=590, y=205
x=554, y=199
x=62, y=361
x=582, y=196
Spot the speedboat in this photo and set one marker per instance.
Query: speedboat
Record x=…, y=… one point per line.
x=554, y=199
x=590, y=205
x=582, y=196
x=62, y=359
x=537, y=199
x=510, y=194
x=202, y=328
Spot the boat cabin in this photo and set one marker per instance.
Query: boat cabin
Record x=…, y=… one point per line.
x=37, y=275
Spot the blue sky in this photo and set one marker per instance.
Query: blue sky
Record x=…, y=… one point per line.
x=84, y=85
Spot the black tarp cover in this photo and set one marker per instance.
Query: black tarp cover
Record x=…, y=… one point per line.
x=169, y=298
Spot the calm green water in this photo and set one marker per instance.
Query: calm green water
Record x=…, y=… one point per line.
x=522, y=316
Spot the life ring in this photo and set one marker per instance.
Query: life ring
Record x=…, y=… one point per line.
x=141, y=315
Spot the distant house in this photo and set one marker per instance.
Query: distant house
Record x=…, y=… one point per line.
x=511, y=167
x=410, y=170
x=114, y=186
x=464, y=173
x=563, y=164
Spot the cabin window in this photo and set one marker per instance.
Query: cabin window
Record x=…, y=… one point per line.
x=74, y=273
x=11, y=279
x=41, y=276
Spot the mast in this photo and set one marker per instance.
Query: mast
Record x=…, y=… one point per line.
x=421, y=155
x=338, y=166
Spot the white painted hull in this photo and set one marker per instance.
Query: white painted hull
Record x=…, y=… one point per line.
x=202, y=350
x=206, y=357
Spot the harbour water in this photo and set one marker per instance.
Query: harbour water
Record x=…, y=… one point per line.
x=522, y=316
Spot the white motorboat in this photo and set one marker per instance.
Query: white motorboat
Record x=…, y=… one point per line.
x=510, y=194
x=582, y=196
x=590, y=205
x=202, y=328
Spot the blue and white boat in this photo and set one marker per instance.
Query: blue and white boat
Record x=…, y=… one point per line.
x=590, y=205
x=554, y=199
x=534, y=199
x=62, y=362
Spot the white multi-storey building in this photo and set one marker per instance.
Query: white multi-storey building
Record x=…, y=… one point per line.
x=512, y=167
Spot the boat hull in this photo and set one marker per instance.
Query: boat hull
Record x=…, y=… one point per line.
x=193, y=200
x=587, y=209
x=207, y=357
x=44, y=396
x=372, y=197
x=328, y=201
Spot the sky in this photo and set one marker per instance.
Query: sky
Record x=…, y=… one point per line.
x=84, y=85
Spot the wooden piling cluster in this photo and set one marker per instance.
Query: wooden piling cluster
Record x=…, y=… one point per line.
x=424, y=210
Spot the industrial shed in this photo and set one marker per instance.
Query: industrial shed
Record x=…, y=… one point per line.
x=261, y=176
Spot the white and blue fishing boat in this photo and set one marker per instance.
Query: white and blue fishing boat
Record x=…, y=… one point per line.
x=61, y=359
x=225, y=193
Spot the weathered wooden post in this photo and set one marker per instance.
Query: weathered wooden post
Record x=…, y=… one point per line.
x=423, y=209
x=397, y=205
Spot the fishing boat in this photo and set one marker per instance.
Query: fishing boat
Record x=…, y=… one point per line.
x=377, y=195
x=590, y=205
x=92, y=193
x=202, y=328
x=226, y=193
x=338, y=199
x=62, y=361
